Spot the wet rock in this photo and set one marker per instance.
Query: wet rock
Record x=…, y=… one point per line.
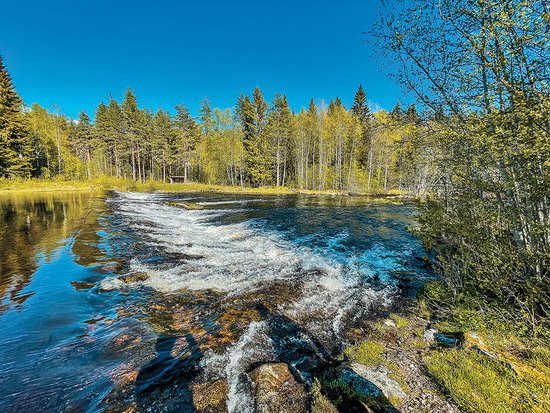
x=276, y=390
x=187, y=205
x=443, y=339
x=112, y=267
x=210, y=397
x=133, y=277
x=81, y=285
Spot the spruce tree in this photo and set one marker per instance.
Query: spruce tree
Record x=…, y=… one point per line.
x=15, y=145
x=253, y=118
x=206, y=116
x=360, y=107
x=362, y=113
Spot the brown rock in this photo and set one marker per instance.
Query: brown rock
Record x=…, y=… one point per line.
x=133, y=277
x=210, y=397
x=276, y=390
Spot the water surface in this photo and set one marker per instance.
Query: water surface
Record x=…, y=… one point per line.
x=123, y=299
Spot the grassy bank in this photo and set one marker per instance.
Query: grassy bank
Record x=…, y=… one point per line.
x=107, y=183
x=495, y=366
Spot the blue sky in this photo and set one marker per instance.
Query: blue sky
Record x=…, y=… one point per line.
x=75, y=54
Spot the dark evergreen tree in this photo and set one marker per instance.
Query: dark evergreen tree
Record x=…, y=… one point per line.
x=360, y=107
x=361, y=111
x=206, y=116
x=253, y=119
x=15, y=145
x=396, y=112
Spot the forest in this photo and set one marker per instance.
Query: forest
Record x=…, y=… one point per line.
x=254, y=144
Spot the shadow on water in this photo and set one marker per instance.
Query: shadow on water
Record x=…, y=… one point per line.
x=168, y=371
x=309, y=360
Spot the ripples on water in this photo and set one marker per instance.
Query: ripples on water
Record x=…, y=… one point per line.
x=231, y=282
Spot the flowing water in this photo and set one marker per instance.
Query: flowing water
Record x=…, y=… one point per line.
x=127, y=299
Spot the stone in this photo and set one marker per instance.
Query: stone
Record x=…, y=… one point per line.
x=389, y=322
x=429, y=335
x=377, y=382
x=210, y=397
x=133, y=277
x=277, y=391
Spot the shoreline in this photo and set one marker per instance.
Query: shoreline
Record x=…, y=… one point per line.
x=109, y=184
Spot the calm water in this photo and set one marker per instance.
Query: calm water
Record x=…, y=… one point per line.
x=119, y=300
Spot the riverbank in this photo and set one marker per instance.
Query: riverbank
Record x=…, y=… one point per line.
x=107, y=183
x=459, y=359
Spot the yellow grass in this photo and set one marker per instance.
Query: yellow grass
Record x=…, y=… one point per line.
x=108, y=183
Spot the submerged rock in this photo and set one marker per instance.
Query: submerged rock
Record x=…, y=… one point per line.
x=210, y=397
x=276, y=390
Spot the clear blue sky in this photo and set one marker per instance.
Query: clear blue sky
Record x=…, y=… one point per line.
x=76, y=53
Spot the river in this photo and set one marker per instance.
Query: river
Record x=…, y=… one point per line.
x=117, y=300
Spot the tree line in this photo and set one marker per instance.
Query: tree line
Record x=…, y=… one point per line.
x=321, y=147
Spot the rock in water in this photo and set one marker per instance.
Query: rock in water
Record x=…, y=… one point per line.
x=276, y=390
x=133, y=277
x=210, y=397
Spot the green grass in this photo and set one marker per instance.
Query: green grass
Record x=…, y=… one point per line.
x=400, y=322
x=479, y=384
x=368, y=353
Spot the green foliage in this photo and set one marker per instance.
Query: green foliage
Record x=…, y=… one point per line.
x=400, y=322
x=15, y=148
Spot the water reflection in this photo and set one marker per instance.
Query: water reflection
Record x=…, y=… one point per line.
x=300, y=269
x=33, y=227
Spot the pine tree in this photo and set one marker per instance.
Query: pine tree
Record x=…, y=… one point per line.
x=15, y=146
x=396, y=112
